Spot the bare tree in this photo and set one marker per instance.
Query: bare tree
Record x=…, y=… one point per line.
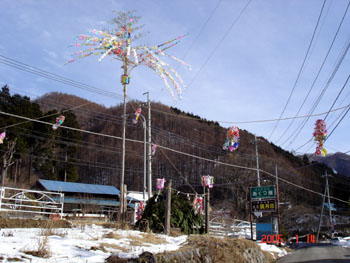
x=7, y=159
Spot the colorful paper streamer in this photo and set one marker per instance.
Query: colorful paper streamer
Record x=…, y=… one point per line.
x=59, y=122
x=320, y=136
x=232, y=139
x=136, y=116
x=104, y=44
x=2, y=137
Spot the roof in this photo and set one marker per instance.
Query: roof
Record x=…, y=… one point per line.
x=99, y=202
x=78, y=187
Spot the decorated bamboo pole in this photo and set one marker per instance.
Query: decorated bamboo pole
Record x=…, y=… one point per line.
x=118, y=45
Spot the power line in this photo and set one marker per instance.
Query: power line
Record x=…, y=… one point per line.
x=317, y=101
x=219, y=43
x=318, y=73
x=119, y=120
x=338, y=94
x=157, y=130
x=179, y=152
x=202, y=28
x=258, y=121
x=45, y=116
x=301, y=68
x=46, y=74
x=337, y=124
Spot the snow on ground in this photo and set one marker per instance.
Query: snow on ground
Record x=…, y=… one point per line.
x=273, y=249
x=83, y=244
x=89, y=244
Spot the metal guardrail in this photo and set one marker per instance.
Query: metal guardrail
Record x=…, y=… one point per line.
x=235, y=228
x=31, y=201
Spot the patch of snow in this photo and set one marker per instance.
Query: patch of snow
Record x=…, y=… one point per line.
x=81, y=244
x=273, y=249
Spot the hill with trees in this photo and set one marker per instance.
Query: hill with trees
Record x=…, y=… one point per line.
x=188, y=148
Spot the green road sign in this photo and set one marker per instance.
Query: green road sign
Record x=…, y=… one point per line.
x=263, y=192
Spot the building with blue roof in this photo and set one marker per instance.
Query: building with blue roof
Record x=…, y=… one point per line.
x=86, y=198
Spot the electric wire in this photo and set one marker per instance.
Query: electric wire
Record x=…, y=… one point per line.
x=201, y=30
x=186, y=154
x=213, y=150
x=219, y=43
x=196, y=38
x=337, y=124
x=317, y=101
x=338, y=95
x=318, y=73
x=223, y=121
x=301, y=68
x=46, y=74
x=257, y=121
x=159, y=132
x=45, y=116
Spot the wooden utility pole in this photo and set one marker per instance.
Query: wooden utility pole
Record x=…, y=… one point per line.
x=329, y=208
x=278, y=202
x=320, y=221
x=326, y=191
x=65, y=168
x=125, y=203
x=149, y=155
x=168, y=209
x=250, y=216
x=207, y=199
x=255, y=142
x=121, y=208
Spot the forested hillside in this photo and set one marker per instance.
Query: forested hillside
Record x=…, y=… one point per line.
x=340, y=162
x=41, y=152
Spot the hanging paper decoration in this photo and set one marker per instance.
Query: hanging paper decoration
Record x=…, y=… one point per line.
x=137, y=115
x=140, y=210
x=154, y=148
x=320, y=134
x=160, y=183
x=198, y=205
x=160, y=186
x=125, y=79
x=2, y=137
x=104, y=44
x=59, y=121
x=208, y=181
x=232, y=139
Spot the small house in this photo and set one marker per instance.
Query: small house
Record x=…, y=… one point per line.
x=87, y=200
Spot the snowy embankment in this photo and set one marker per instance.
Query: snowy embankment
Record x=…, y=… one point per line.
x=82, y=244
x=86, y=244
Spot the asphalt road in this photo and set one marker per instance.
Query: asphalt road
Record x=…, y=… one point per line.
x=318, y=254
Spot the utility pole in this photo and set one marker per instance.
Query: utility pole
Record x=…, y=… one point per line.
x=278, y=201
x=320, y=221
x=168, y=209
x=326, y=191
x=149, y=156
x=144, y=159
x=257, y=158
x=65, y=169
x=207, y=200
x=250, y=215
x=329, y=207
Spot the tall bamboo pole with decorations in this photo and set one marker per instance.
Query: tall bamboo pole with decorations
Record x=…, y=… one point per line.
x=116, y=43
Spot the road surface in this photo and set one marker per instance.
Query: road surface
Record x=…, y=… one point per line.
x=318, y=254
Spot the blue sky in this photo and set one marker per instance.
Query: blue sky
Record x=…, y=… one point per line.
x=248, y=77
